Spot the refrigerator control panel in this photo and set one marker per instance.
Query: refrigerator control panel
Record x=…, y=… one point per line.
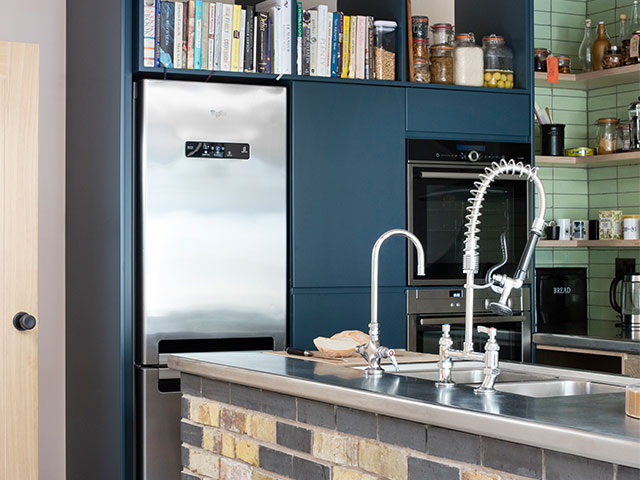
x=236, y=151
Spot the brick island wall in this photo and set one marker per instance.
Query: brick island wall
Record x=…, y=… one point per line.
x=233, y=432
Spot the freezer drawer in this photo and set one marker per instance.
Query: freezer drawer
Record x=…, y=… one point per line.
x=157, y=427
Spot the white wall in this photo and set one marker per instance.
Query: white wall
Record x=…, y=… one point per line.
x=44, y=22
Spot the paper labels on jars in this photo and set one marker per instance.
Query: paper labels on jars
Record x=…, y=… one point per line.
x=552, y=69
x=634, y=47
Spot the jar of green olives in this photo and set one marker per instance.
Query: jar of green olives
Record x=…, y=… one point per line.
x=498, y=62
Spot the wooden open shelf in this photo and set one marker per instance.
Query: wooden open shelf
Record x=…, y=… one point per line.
x=625, y=158
x=589, y=80
x=589, y=243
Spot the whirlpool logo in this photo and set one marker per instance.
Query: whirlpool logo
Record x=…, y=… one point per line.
x=561, y=290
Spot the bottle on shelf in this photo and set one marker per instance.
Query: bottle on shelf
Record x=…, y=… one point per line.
x=635, y=17
x=600, y=46
x=585, y=51
x=624, y=39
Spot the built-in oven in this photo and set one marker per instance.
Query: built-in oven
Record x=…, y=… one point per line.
x=441, y=175
x=429, y=309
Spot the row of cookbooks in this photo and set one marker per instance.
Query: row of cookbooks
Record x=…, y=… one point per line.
x=202, y=35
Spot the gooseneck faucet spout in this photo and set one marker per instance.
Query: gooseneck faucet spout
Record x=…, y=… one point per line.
x=372, y=352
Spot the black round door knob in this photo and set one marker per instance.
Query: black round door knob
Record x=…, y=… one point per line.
x=24, y=321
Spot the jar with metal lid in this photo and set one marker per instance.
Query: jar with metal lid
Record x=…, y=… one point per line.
x=468, y=62
x=384, y=49
x=606, y=135
x=442, y=34
x=498, y=62
x=420, y=49
x=421, y=72
x=612, y=57
x=540, y=59
x=634, y=129
x=564, y=64
x=634, y=48
x=420, y=27
x=622, y=137
x=441, y=68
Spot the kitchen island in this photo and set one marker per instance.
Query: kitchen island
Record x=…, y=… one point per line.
x=258, y=416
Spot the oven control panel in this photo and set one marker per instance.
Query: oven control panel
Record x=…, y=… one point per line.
x=449, y=151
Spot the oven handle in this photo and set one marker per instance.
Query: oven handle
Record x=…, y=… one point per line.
x=477, y=320
x=454, y=175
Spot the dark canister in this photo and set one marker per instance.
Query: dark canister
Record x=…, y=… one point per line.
x=594, y=229
x=552, y=136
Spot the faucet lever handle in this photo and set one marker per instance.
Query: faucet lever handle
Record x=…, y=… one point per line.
x=491, y=331
x=446, y=328
x=392, y=357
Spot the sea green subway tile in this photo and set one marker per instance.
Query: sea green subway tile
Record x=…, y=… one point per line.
x=600, y=284
x=543, y=99
x=571, y=213
x=602, y=101
x=549, y=198
x=567, y=19
x=602, y=186
x=564, y=92
x=571, y=201
x=594, y=214
x=602, y=173
x=602, y=313
x=600, y=299
x=594, y=115
x=567, y=34
x=563, y=173
x=542, y=5
x=541, y=32
x=606, y=16
x=624, y=6
x=594, y=6
x=628, y=171
x=568, y=103
x=571, y=255
x=625, y=98
x=602, y=328
x=570, y=186
x=569, y=6
x=601, y=270
x=576, y=132
x=562, y=47
x=629, y=184
x=603, y=255
x=597, y=92
x=628, y=87
x=630, y=202
x=541, y=18
x=569, y=117
x=621, y=113
x=544, y=257
x=604, y=201
x=543, y=91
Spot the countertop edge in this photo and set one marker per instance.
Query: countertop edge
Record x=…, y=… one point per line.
x=562, y=439
x=589, y=343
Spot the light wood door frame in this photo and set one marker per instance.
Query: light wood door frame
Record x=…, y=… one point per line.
x=18, y=259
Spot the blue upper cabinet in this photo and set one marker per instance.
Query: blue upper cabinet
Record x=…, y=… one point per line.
x=348, y=183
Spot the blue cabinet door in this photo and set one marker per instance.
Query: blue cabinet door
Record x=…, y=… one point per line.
x=348, y=183
x=325, y=313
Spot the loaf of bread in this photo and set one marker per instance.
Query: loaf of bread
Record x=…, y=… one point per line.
x=341, y=344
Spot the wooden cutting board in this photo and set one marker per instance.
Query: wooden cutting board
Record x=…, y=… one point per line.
x=402, y=356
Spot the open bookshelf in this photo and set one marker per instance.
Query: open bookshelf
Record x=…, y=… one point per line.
x=589, y=80
x=613, y=159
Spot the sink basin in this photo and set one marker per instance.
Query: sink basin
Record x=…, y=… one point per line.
x=557, y=388
x=474, y=376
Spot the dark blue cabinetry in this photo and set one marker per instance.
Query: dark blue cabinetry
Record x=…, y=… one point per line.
x=348, y=183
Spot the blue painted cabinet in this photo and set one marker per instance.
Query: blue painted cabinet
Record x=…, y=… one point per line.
x=348, y=183
x=331, y=311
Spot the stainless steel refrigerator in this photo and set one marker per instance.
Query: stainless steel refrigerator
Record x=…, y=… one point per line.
x=211, y=240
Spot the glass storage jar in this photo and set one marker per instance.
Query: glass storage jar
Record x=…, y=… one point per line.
x=442, y=34
x=540, y=59
x=441, y=64
x=607, y=135
x=634, y=56
x=420, y=27
x=384, y=49
x=468, y=61
x=421, y=72
x=612, y=57
x=623, y=137
x=564, y=64
x=420, y=49
x=498, y=62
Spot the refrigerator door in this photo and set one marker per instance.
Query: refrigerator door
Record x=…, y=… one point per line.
x=213, y=195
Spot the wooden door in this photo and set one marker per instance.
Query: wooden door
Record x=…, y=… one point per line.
x=18, y=260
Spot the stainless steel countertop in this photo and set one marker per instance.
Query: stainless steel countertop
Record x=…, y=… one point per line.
x=593, y=426
x=611, y=344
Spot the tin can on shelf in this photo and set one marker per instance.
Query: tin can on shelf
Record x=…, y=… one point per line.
x=610, y=224
x=631, y=227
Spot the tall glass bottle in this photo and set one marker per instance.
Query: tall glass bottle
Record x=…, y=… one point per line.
x=585, y=52
x=635, y=17
x=624, y=38
x=600, y=46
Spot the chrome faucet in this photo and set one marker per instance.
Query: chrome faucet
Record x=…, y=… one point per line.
x=372, y=351
x=499, y=283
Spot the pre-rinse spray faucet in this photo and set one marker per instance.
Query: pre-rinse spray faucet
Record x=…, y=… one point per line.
x=372, y=351
x=499, y=283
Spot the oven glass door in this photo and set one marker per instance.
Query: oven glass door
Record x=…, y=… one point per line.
x=509, y=336
x=438, y=207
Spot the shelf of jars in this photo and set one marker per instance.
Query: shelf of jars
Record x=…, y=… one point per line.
x=613, y=159
x=589, y=80
x=589, y=243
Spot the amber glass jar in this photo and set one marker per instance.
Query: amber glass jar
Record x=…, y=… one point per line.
x=600, y=46
x=540, y=59
x=564, y=64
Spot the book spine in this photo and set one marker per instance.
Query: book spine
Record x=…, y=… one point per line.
x=243, y=22
x=369, y=55
x=346, y=41
x=327, y=65
x=212, y=36
x=360, y=42
x=287, y=38
x=204, y=42
x=299, y=38
x=197, y=37
x=149, y=34
x=156, y=35
x=255, y=44
x=306, y=42
x=185, y=33
x=270, y=37
x=275, y=36
x=217, y=54
x=177, y=36
x=340, y=44
x=167, y=18
x=335, y=42
x=236, y=20
x=263, y=42
x=353, y=37
x=322, y=40
x=227, y=28
x=191, y=37
x=248, y=39
x=313, y=56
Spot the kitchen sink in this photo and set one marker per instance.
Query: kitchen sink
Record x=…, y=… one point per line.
x=475, y=376
x=557, y=388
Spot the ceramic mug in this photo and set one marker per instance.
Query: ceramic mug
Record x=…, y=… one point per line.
x=565, y=228
x=580, y=230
